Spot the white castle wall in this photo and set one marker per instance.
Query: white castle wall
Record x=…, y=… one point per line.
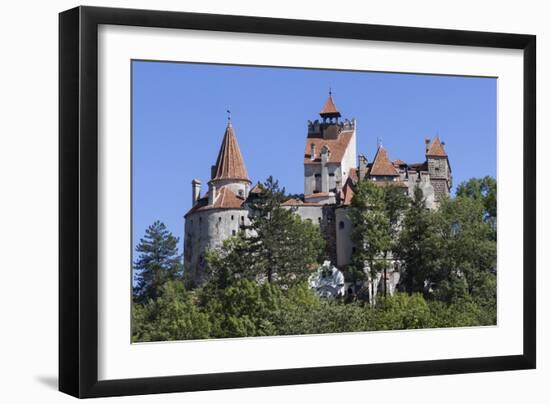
x=207, y=230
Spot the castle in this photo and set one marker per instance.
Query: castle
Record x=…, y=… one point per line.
x=331, y=170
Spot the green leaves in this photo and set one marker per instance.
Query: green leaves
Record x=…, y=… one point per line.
x=277, y=246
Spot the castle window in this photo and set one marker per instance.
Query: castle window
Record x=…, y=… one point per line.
x=233, y=232
x=353, y=250
x=232, y=217
x=219, y=219
x=241, y=193
x=331, y=175
x=242, y=219
x=341, y=224
x=319, y=220
x=200, y=219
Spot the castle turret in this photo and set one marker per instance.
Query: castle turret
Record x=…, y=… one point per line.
x=439, y=168
x=229, y=170
x=221, y=213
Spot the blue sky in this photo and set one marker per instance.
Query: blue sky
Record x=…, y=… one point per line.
x=179, y=117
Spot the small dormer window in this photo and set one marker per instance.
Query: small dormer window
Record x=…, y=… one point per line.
x=241, y=193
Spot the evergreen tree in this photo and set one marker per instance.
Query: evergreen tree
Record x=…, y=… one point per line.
x=157, y=263
x=418, y=246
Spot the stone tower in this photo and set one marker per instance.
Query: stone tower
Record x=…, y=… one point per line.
x=439, y=168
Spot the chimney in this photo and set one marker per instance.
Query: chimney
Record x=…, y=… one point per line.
x=312, y=152
x=427, y=141
x=196, y=186
x=211, y=194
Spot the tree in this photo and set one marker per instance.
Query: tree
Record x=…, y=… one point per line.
x=371, y=235
x=174, y=315
x=157, y=263
x=281, y=247
x=418, y=246
x=395, y=203
x=469, y=248
x=484, y=190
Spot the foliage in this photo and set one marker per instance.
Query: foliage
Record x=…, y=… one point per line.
x=257, y=278
x=158, y=262
x=417, y=247
x=371, y=234
x=267, y=249
x=174, y=315
x=482, y=189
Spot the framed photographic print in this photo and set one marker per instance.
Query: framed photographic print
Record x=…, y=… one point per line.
x=251, y=201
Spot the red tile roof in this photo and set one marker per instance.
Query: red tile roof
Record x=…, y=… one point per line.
x=399, y=162
x=257, y=189
x=317, y=195
x=225, y=199
x=436, y=149
x=329, y=108
x=336, y=146
x=230, y=163
x=298, y=202
x=381, y=165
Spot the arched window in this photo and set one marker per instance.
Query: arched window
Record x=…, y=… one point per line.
x=341, y=224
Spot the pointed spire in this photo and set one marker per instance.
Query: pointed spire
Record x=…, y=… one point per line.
x=230, y=163
x=436, y=148
x=329, y=110
x=382, y=166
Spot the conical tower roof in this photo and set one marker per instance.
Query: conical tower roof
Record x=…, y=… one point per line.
x=329, y=109
x=230, y=163
x=436, y=149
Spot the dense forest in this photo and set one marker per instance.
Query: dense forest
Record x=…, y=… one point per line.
x=257, y=281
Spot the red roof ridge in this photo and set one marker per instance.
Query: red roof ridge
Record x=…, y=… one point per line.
x=436, y=148
x=381, y=165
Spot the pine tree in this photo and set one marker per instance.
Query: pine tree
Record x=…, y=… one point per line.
x=418, y=246
x=285, y=247
x=157, y=263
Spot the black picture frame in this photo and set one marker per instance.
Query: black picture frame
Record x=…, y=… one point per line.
x=78, y=201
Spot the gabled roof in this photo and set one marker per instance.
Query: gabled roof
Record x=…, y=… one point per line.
x=225, y=199
x=230, y=163
x=436, y=149
x=329, y=109
x=257, y=189
x=381, y=165
x=336, y=146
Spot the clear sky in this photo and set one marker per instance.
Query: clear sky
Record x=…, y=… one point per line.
x=179, y=118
